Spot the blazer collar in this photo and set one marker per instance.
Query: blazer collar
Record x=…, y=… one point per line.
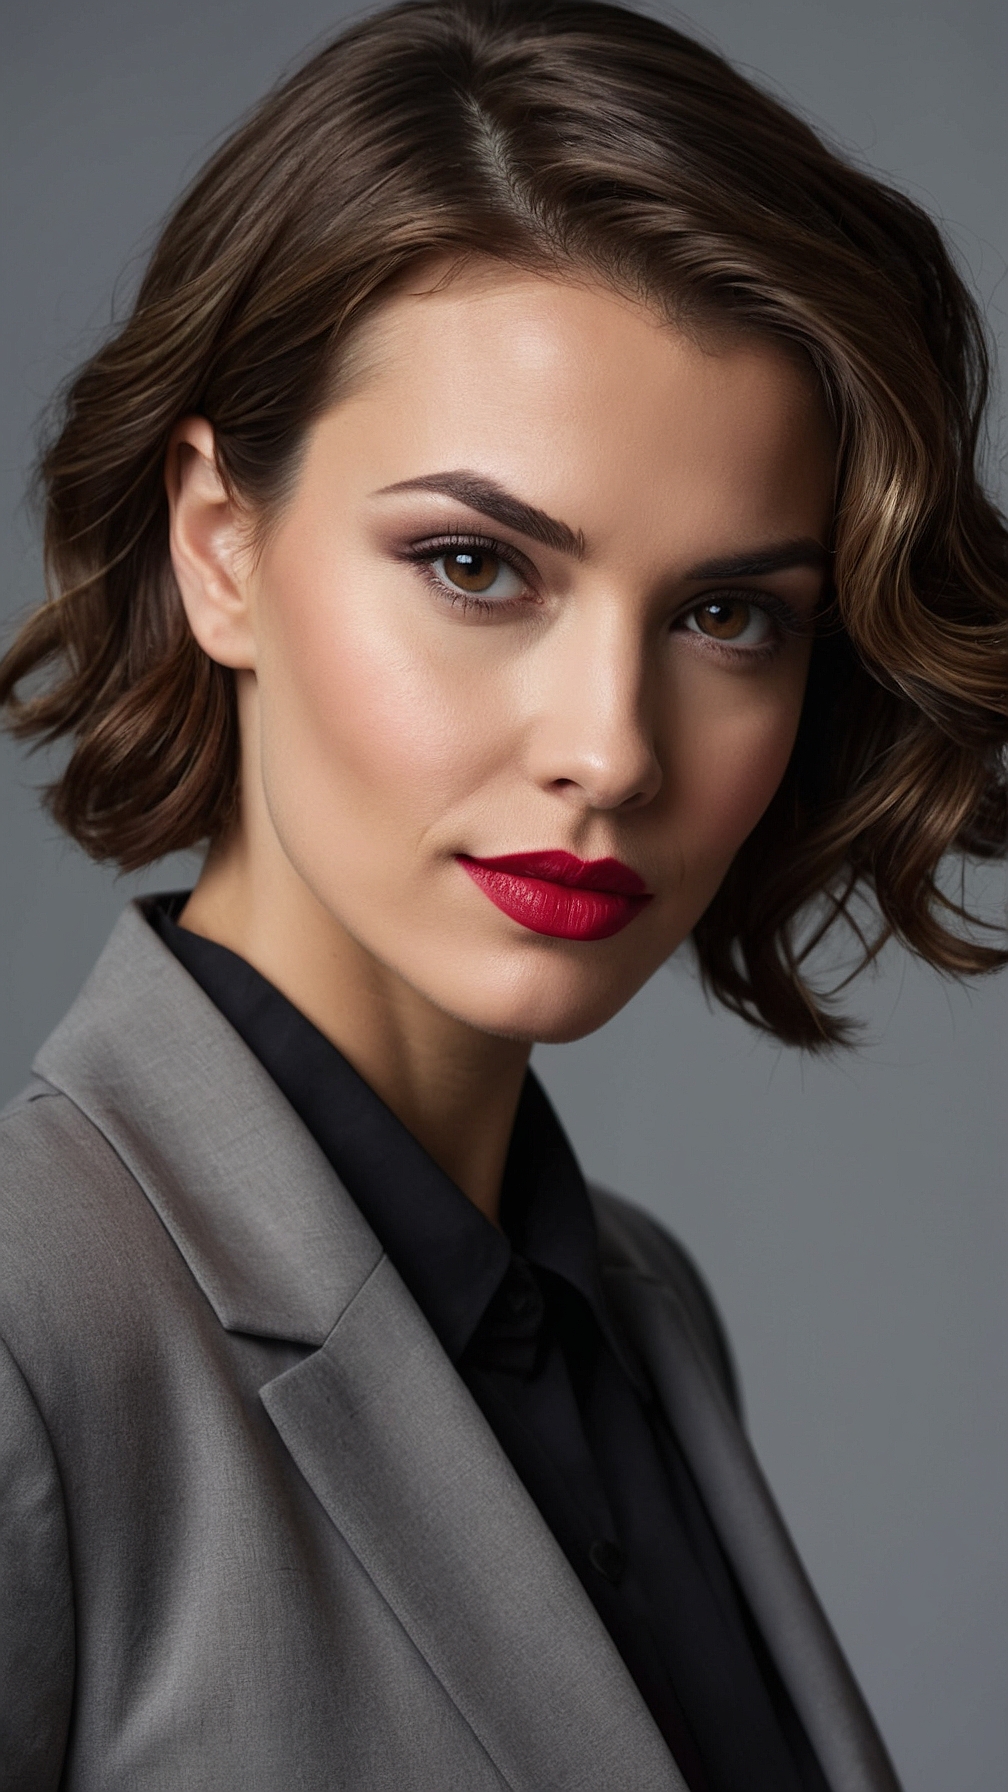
x=378, y=1421
x=266, y=1227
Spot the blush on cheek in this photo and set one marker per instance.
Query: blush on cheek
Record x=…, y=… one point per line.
x=357, y=687
x=370, y=736
x=731, y=780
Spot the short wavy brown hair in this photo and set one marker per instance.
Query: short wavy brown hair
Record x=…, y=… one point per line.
x=567, y=135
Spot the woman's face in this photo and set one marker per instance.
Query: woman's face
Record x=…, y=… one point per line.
x=544, y=585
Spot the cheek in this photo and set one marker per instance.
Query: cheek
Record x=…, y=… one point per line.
x=365, y=733
x=729, y=762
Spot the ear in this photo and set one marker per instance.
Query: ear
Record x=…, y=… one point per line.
x=206, y=541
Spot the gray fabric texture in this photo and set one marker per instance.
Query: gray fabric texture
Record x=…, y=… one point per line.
x=662, y=1319
x=255, y=1533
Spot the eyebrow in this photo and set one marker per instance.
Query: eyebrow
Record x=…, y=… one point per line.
x=492, y=500
x=755, y=565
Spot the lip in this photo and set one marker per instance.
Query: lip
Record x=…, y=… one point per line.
x=556, y=894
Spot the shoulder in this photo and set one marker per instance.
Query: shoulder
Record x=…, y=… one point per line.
x=632, y=1242
x=56, y=1172
x=38, y=1129
x=50, y=1156
x=85, y=1262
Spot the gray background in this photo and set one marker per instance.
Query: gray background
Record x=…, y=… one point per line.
x=850, y=1214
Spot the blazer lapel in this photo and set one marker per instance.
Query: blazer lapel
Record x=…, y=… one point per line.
x=808, y=1656
x=376, y=1417
x=397, y=1452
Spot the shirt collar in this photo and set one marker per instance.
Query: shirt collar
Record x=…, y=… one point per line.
x=449, y=1255
x=545, y=1209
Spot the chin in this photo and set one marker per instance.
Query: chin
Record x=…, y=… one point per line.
x=542, y=1003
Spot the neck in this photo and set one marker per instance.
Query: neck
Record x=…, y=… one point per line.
x=454, y=1088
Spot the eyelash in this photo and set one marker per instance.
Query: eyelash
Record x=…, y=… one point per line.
x=425, y=553
x=784, y=619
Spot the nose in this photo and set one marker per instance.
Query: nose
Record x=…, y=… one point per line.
x=594, y=738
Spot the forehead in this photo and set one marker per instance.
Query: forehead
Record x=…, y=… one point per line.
x=571, y=394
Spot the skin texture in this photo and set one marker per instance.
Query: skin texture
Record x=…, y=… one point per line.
x=387, y=725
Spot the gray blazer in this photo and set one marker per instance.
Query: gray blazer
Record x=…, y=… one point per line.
x=255, y=1535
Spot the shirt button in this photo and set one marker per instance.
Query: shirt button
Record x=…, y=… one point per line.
x=523, y=1300
x=608, y=1559
x=520, y=1292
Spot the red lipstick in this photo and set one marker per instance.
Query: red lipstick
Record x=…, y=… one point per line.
x=557, y=894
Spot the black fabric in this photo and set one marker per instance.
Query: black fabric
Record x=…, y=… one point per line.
x=520, y=1312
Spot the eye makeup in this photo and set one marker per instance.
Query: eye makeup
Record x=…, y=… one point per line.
x=467, y=594
x=471, y=590
x=783, y=621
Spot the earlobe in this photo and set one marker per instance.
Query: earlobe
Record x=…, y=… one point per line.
x=205, y=541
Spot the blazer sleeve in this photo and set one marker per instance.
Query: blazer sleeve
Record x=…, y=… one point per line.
x=36, y=1599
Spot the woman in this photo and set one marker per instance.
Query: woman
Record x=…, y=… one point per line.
x=530, y=518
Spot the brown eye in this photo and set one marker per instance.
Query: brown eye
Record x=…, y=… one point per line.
x=733, y=620
x=471, y=569
x=726, y=618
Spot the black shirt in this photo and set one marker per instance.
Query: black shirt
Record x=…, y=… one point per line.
x=520, y=1313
